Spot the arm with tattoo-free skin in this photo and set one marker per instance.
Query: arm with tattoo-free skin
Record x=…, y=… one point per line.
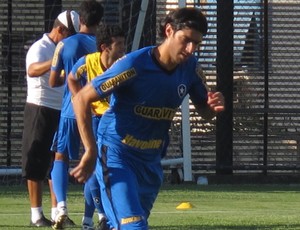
x=82, y=109
x=37, y=69
x=74, y=85
x=215, y=104
x=56, y=79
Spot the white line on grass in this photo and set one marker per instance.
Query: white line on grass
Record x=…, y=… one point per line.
x=154, y=212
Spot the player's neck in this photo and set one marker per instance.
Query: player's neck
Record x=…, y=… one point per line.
x=53, y=37
x=162, y=56
x=87, y=30
x=103, y=62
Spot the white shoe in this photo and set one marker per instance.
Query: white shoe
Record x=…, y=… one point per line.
x=60, y=219
x=60, y=223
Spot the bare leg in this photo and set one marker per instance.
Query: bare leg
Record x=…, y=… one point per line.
x=52, y=194
x=35, y=189
x=53, y=200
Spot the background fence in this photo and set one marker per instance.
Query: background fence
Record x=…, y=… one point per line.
x=251, y=54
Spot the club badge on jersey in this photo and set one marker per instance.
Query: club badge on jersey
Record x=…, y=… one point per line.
x=181, y=90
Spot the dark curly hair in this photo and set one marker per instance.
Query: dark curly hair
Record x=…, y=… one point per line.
x=91, y=12
x=184, y=18
x=105, y=33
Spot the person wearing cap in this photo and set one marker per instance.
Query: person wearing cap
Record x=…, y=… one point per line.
x=41, y=114
x=66, y=142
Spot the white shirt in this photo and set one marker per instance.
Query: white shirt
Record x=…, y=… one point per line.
x=38, y=90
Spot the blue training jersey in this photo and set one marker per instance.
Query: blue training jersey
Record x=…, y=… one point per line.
x=67, y=52
x=144, y=100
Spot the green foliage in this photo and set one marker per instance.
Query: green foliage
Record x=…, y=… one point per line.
x=232, y=207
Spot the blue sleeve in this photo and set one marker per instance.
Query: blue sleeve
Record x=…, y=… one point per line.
x=199, y=89
x=79, y=69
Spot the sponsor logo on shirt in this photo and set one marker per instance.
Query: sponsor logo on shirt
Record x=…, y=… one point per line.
x=80, y=71
x=130, y=219
x=142, y=144
x=115, y=81
x=59, y=46
x=154, y=113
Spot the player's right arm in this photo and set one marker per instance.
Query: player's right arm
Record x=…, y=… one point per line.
x=82, y=109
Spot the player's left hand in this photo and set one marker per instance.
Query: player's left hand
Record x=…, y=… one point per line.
x=85, y=168
x=216, y=101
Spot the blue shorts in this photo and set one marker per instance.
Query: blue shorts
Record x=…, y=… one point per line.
x=67, y=139
x=129, y=187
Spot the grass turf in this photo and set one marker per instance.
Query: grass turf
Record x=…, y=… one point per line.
x=214, y=207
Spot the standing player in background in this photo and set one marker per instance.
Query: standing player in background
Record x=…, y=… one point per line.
x=66, y=142
x=111, y=46
x=145, y=87
x=41, y=114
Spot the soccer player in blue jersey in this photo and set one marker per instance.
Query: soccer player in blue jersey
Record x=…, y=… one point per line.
x=146, y=87
x=66, y=142
x=111, y=46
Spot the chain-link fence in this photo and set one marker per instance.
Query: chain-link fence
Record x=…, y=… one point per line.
x=251, y=53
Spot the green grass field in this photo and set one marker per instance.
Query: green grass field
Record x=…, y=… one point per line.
x=214, y=207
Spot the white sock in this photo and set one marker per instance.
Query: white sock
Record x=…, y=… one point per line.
x=53, y=213
x=36, y=214
x=101, y=216
x=87, y=221
x=61, y=204
x=61, y=209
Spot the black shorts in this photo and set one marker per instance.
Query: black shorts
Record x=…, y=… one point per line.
x=40, y=124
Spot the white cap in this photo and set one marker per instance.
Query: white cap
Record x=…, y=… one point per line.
x=71, y=16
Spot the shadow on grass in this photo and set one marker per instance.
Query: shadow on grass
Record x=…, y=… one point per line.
x=219, y=227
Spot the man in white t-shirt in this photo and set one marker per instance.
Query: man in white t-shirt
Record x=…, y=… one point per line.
x=41, y=114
